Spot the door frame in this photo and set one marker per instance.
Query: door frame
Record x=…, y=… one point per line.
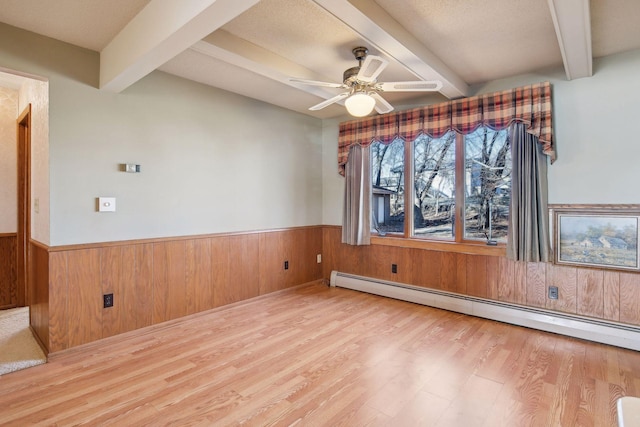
x=24, y=206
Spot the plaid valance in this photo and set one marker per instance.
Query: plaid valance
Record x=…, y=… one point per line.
x=530, y=105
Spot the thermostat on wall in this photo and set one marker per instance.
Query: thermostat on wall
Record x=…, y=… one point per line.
x=131, y=168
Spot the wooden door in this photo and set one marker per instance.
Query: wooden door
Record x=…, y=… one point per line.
x=24, y=204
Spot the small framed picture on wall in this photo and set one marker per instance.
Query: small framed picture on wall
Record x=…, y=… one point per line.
x=599, y=236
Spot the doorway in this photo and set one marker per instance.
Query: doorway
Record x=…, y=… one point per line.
x=24, y=207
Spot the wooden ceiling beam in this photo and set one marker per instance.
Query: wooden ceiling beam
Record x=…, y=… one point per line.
x=572, y=21
x=375, y=25
x=161, y=30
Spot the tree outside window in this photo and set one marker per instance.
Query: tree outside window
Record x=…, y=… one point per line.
x=472, y=171
x=387, y=176
x=435, y=186
x=487, y=170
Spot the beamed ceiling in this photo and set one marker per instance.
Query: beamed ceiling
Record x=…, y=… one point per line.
x=252, y=47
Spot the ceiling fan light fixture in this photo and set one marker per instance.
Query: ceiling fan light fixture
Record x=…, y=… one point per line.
x=360, y=104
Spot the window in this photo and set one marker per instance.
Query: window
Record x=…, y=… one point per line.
x=387, y=176
x=472, y=172
x=435, y=186
x=487, y=185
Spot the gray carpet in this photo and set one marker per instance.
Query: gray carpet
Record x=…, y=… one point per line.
x=18, y=347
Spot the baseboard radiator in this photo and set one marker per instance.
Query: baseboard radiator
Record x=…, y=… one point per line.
x=611, y=333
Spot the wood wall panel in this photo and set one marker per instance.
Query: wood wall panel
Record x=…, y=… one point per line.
x=493, y=277
x=300, y=248
x=397, y=257
x=85, y=297
x=630, y=298
x=199, y=274
x=39, y=292
x=129, y=305
x=590, y=292
x=299, y=253
x=477, y=276
x=165, y=279
x=351, y=258
x=329, y=250
x=244, y=271
x=449, y=271
x=520, y=282
x=461, y=273
x=302, y=257
x=309, y=255
x=426, y=268
x=404, y=267
x=536, y=284
x=220, y=265
x=380, y=260
x=58, y=302
x=611, y=294
x=112, y=272
x=506, y=280
x=169, y=281
x=119, y=277
x=143, y=283
x=274, y=251
x=565, y=279
x=341, y=257
x=596, y=293
x=8, y=272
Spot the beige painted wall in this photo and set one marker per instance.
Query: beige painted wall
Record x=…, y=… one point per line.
x=36, y=93
x=212, y=161
x=8, y=160
x=594, y=122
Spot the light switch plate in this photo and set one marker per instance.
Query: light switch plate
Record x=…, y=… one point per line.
x=106, y=204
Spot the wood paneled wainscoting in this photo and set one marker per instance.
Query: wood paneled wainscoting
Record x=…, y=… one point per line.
x=602, y=294
x=38, y=291
x=8, y=272
x=156, y=280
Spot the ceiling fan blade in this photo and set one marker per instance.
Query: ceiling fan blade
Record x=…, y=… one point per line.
x=371, y=68
x=329, y=101
x=317, y=83
x=417, y=86
x=382, y=106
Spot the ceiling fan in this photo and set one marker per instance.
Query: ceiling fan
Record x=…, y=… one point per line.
x=363, y=87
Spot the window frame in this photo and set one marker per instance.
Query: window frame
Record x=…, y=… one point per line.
x=459, y=243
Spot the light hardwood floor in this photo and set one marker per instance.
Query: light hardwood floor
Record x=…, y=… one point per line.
x=315, y=355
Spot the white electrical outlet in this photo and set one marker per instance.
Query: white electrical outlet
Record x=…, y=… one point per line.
x=319, y=258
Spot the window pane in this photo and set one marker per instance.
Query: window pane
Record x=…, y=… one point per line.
x=434, y=182
x=487, y=185
x=387, y=176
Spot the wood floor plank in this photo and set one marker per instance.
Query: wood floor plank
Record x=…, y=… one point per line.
x=315, y=355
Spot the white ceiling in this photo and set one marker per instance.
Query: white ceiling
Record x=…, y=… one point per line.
x=252, y=47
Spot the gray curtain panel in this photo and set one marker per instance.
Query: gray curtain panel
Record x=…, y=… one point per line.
x=356, y=219
x=528, y=237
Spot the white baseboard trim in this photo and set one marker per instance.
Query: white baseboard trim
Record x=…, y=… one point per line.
x=601, y=331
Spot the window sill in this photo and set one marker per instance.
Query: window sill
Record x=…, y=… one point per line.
x=463, y=248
